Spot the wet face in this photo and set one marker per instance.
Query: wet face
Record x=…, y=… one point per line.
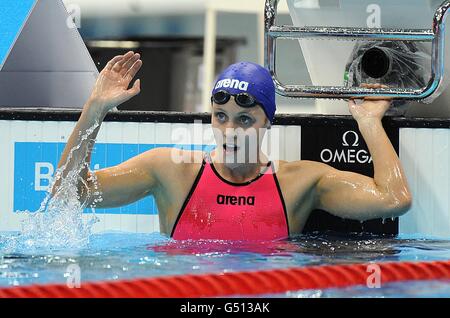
x=238, y=132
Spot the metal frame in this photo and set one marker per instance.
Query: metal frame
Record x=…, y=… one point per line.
x=436, y=35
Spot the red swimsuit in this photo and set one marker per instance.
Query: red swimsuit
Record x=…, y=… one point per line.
x=219, y=209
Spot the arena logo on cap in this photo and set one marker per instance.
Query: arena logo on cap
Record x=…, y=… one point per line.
x=232, y=83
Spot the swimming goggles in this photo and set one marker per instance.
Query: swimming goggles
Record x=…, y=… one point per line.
x=242, y=99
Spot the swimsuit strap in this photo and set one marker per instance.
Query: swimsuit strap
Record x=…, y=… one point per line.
x=268, y=165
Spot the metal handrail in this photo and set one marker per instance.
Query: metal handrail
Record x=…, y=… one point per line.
x=436, y=35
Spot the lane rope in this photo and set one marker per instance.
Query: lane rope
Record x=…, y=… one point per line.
x=248, y=283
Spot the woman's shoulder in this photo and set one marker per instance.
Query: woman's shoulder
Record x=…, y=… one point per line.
x=174, y=155
x=168, y=159
x=299, y=167
x=182, y=157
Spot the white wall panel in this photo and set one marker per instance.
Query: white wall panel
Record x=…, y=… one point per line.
x=425, y=157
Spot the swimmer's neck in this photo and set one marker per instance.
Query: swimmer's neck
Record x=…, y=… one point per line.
x=239, y=173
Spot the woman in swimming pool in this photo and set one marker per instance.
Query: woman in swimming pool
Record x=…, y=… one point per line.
x=225, y=194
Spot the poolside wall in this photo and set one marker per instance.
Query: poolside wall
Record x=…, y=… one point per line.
x=31, y=142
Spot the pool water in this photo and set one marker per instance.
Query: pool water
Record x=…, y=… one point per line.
x=407, y=289
x=122, y=255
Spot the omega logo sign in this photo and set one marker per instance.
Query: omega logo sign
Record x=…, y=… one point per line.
x=349, y=154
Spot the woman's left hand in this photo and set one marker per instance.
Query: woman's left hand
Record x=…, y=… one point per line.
x=371, y=108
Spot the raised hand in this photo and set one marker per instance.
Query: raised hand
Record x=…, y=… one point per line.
x=372, y=107
x=111, y=88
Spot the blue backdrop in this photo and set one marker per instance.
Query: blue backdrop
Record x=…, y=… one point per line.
x=35, y=162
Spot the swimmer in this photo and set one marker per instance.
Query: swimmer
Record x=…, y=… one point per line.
x=216, y=195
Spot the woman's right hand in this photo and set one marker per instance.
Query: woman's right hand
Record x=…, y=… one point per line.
x=111, y=88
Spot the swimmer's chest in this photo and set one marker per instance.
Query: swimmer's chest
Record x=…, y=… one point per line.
x=216, y=208
x=223, y=200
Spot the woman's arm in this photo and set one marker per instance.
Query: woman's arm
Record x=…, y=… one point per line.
x=355, y=196
x=123, y=183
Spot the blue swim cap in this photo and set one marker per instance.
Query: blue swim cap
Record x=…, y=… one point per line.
x=251, y=78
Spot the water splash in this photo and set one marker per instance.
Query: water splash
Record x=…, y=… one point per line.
x=59, y=221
